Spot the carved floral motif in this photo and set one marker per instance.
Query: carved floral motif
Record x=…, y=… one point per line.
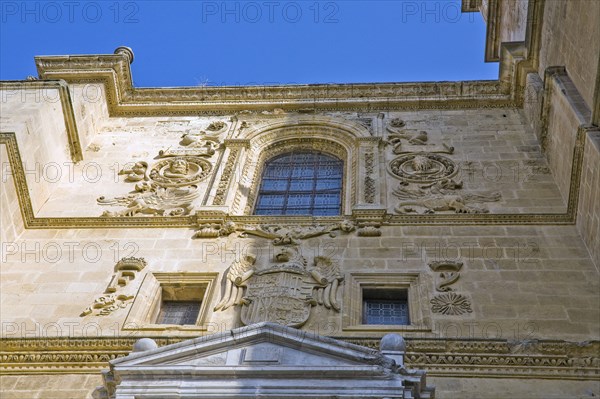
x=217, y=127
x=369, y=229
x=226, y=177
x=369, y=181
x=451, y=304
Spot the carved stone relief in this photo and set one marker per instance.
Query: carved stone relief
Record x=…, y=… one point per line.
x=180, y=171
x=195, y=145
x=427, y=184
x=422, y=167
x=282, y=291
x=450, y=303
x=448, y=274
x=216, y=127
x=125, y=270
x=406, y=141
x=279, y=234
x=151, y=199
x=441, y=196
x=169, y=186
x=369, y=181
x=369, y=229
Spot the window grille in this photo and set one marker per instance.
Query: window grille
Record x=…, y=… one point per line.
x=301, y=183
x=179, y=312
x=385, y=307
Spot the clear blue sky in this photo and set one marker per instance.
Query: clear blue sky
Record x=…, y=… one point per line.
x=191, y=43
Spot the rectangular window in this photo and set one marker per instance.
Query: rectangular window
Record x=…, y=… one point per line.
x=385, y=307
x=176, y=300
x=179, y=312
x=386, y=302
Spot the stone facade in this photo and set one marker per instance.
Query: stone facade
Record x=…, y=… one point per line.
x=478, y=200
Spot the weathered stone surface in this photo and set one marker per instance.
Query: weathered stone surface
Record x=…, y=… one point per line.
x=499, y=177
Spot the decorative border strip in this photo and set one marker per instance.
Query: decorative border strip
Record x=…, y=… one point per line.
x=547, y=359
x=66, y=103
x=32, y=222
x=192, y=221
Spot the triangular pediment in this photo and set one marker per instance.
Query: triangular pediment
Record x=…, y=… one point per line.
x=264, y=344
x=265, y=359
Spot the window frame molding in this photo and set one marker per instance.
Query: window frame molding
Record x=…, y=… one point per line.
x=416, y=285
x=265, y=139
x=281, y=148
x=146, y=305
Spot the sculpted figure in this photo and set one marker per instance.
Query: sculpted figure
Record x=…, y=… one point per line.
x=238, y=273
x=177, y=169
x=421, y=164
x=439, y=204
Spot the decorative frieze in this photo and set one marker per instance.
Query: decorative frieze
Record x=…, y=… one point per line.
x=441, y=357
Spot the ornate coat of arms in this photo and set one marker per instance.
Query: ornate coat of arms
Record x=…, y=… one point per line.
x=282, y=292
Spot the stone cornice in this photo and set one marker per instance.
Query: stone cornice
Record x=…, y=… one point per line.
x=125, y=100
x=544, y=359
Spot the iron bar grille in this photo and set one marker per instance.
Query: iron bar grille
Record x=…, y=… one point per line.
x=179, y=312
x=301, y=183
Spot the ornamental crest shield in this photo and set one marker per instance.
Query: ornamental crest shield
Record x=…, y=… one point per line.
x=283, y=292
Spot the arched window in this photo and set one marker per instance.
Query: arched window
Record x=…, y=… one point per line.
x=301, y=183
